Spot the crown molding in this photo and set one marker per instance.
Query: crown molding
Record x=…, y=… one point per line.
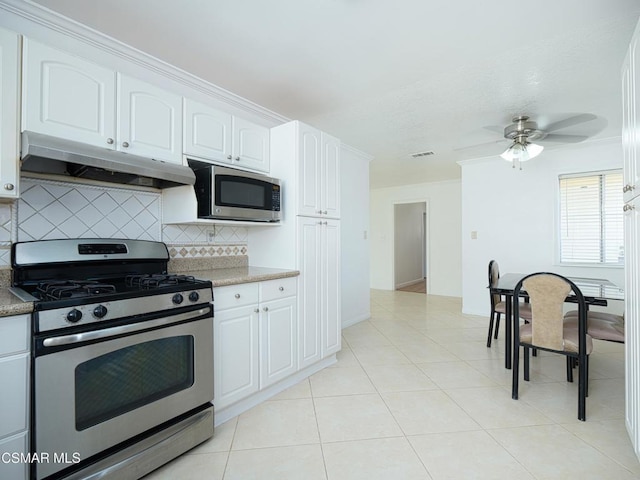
x=357, y=152
x=53, y=21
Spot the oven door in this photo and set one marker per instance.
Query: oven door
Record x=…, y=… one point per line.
x=100, y=388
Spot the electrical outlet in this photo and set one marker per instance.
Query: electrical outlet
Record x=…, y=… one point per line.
x=211, y=235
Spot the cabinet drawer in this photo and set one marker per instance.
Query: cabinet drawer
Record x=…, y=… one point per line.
x=235, y=296
x=274, y=289
x=14, y=334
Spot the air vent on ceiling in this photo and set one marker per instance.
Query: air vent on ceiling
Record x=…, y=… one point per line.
x=421, y=154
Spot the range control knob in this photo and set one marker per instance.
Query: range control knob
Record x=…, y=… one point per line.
x=100, y=311
x=74, y=315
x=194, y=296
x=177, y=299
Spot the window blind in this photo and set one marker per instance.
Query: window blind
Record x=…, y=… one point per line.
x=591, y=218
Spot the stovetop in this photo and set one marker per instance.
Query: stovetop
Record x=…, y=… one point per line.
x=82, y=282
x=140, y=284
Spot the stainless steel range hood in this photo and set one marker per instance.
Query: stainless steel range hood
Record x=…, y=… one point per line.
x=46, y=154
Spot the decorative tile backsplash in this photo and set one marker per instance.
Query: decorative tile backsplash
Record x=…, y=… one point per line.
x=50, y=209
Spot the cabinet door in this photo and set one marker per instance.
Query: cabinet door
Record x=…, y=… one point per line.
x=207, y=132
x=330, y=178
x=631, y=121
x=14, y=374
x=278, y=340
x=309, y=290
x=9, y=75
x=331, y=317
x=12, y=469
x=309, y=171
x=235, y=355
x=149, y=121
x=67, y=97
x=250, y=145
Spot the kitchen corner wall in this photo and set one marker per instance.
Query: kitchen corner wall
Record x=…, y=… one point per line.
x=52, y=209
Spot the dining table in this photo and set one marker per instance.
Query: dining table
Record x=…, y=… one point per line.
x=596, y=291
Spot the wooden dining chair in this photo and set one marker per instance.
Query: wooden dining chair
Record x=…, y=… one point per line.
x=548, y=330
x=498, y=304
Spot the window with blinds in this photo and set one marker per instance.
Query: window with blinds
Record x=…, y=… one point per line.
x=591, y=218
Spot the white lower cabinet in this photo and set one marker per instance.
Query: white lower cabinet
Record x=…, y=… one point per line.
x=14, y=414
x=254, y=338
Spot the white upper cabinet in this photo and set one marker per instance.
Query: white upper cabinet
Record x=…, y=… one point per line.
x=9, y=75
x=211, y=134
x=68, y=97
x=319, y=173
x=250, y=145
x=149, y=120
x=207, y=132
x=631, y=120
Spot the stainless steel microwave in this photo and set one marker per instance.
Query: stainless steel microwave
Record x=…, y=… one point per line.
x=231, y=194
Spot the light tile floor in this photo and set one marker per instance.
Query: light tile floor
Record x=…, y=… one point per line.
x=417, y=395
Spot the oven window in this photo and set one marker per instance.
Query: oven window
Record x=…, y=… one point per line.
x=129, y=378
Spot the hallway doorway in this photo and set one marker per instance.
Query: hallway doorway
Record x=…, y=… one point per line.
x=410, y=246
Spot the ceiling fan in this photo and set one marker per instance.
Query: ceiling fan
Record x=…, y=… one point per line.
x=526, y=137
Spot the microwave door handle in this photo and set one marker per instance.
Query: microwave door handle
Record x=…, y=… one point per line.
x=122, y=329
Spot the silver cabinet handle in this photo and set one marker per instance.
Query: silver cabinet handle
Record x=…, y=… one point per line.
x=237, y=159
x=266, y=309
x=281, y=289
x=325, y=212
x=125, y=144
x=628, y=188
x=110, y=141
x=257, y=310
x=628, y=207
x=319, y=211
x=237, y=295
x=9, y=186
x=229, y=157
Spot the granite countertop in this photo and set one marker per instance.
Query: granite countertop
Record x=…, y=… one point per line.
x=221, y=277
x=12, y=305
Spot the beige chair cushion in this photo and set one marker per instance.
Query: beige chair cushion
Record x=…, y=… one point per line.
x=547, y=294
x=600, y=329
x=525, y=309
x=607, y=317
x=570, y=335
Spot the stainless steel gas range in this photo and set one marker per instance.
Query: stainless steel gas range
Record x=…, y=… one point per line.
x=122, y=357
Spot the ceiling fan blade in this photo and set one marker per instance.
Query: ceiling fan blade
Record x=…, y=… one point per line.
x=554, y=137
x=569, y=122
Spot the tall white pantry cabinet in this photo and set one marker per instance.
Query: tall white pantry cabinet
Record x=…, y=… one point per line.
x=631, y=191
x=307, y=161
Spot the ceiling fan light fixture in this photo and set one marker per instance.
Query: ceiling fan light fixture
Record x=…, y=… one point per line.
x=519, y=152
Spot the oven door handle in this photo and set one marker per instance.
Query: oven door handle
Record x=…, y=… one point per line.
x=122, y=329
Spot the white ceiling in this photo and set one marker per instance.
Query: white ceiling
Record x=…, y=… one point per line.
x=393, y=78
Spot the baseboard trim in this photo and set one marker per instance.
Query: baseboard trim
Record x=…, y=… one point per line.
x=356, y=319
x=227, y=413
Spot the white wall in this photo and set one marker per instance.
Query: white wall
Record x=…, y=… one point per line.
x=354, y=236
x=408, y=243
x=444, y=257
x=514, y=214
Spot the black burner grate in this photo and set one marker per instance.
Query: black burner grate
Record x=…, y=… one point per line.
x=72, y=289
